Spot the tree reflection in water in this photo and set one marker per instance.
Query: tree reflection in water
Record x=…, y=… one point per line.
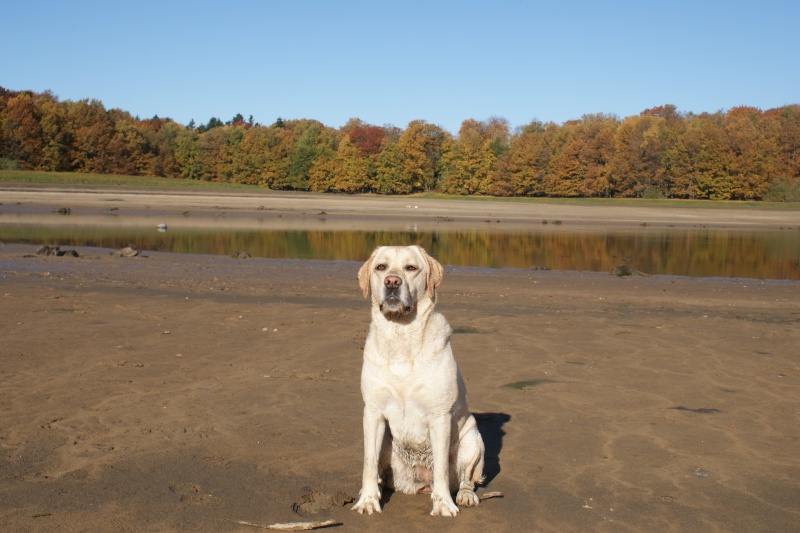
x=762, y=254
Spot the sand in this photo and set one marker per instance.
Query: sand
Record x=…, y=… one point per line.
x=184, y=393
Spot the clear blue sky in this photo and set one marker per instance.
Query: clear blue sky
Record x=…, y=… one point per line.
x=393, y=62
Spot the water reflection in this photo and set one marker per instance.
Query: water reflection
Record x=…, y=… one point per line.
x=764, y=254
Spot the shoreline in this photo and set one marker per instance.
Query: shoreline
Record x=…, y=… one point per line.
x=654, y=240
x=355, y=210
x=12, y=253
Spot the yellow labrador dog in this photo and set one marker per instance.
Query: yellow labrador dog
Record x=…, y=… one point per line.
x=418, y=434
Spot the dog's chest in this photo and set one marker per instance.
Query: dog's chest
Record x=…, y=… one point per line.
x=406, y=409
x=401, y=368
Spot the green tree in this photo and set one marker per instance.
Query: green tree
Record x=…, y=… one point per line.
x=187, y=155
x=788, y=118
x=165, y=143
x=309, y=139
x=391, y=176
x=213, y=122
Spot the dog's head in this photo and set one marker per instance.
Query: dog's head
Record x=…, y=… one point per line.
x=398, y=277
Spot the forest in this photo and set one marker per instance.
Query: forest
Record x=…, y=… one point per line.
x=743, y=153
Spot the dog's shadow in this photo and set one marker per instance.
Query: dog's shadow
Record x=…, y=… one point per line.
x=490, y=426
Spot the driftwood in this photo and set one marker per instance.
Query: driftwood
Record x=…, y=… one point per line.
x=290, y=526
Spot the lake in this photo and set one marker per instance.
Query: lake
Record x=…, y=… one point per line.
x=696, y=252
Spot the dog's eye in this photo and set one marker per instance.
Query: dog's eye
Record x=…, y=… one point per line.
x=380, y=267
x=411, y=268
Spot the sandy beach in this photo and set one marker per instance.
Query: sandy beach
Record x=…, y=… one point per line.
x=294, y=210
x=172, y=392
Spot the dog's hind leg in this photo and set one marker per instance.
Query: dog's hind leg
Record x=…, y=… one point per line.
x=469, y=464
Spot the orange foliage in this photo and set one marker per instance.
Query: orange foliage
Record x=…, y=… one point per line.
x=740, y=154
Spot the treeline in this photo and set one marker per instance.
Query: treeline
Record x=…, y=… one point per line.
x=742, y=154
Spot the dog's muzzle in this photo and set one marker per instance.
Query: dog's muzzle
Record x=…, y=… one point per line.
x=395, y=299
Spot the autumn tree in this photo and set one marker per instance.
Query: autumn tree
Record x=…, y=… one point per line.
x=565, y=169
x=366, y=137
x=55, y=140
x=580, y=153
x=639, y=144
x=755, y=153
x=211, y=154
x=91, y=130
x=526, y=161
x=470, y=162
x=744, y=153
x=420, y=148
x=21, y=132
x=345, y=170
x=126, y=151
x=355, y=173
x=705, y=159
x=599, y=131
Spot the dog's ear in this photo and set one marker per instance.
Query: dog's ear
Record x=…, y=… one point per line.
x=433, y=275
x=363, y=274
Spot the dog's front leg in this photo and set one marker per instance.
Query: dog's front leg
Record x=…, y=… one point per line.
x=370, y=495
x=440, y=428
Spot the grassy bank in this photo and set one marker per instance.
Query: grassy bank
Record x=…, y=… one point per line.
x=68, y=179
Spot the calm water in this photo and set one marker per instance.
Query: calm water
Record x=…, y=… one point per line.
x=764, y=254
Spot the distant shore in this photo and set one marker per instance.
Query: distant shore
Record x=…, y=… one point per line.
x=352, y=211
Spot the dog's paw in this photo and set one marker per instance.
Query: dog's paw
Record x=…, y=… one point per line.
x=444, y=506
x=467, y=498
x=367, y=503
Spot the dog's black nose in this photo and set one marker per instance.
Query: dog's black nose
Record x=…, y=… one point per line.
x=392, y=282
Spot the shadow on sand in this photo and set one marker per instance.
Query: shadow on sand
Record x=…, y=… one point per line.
x=490, y=426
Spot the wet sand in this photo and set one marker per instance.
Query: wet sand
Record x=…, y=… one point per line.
x=182, y=393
